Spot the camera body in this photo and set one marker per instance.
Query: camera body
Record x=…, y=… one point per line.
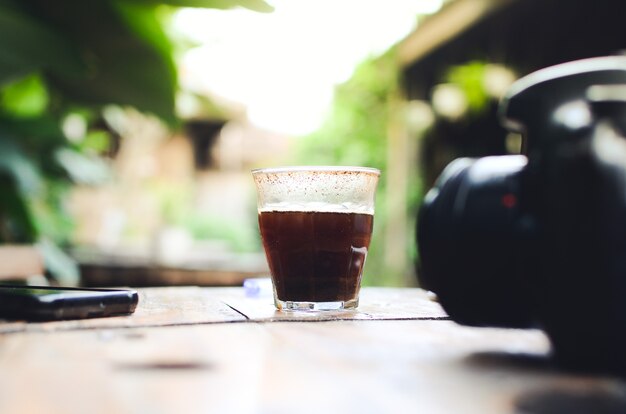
x=539, y=240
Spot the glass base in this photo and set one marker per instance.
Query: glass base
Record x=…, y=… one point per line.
x=288, y=305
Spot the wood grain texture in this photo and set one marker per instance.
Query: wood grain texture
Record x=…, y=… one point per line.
x=194, y=305
x=412, y=362
x=338, y=366
x=375, y=304
x=156, y=307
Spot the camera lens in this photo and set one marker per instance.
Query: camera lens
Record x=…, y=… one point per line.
x=470, y=243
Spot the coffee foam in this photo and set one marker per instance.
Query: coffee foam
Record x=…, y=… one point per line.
x=347, y=207
x=325, y=189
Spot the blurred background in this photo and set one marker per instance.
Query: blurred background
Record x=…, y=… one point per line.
x=128, y=128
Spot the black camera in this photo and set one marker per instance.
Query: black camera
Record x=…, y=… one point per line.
x=539, y=240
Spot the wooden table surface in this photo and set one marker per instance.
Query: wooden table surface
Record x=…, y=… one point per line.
x=215, y=350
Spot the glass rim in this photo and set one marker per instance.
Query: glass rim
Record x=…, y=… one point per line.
x=315, y=168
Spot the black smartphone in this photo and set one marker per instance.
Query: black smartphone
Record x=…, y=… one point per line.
x=43, y=303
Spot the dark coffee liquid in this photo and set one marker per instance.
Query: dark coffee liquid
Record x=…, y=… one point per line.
x=316, y=256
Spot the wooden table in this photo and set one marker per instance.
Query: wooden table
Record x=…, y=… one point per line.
x=216, y=350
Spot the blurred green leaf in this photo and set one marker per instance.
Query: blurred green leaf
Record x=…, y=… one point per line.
x=83, y=168
x=25, y=98
x=27, y=44
x=49, y=211
x=62, y=267
x=142, y=20
x=33, y=132
x=37, y=139
x=256, y=5
x=17, y=165
x=17, y=224
x=68, y=56
x=125, y=68
x=96, y=141
x=470, y=78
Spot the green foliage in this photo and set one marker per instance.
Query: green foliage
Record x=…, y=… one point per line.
x=25, y=98
x=74, y=57
x=205, y=227
x=355, y=133
x=95, y=141
x=177, y=211
x=470, y=78
x=28, y=44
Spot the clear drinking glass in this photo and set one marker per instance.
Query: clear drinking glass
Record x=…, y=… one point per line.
x=316, y=225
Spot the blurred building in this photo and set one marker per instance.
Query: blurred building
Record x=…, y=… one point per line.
x=180, y=209
x=519, y=36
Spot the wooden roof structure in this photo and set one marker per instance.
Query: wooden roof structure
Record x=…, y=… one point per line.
x=523, y=34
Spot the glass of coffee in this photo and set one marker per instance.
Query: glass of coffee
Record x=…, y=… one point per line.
x=316, y=225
